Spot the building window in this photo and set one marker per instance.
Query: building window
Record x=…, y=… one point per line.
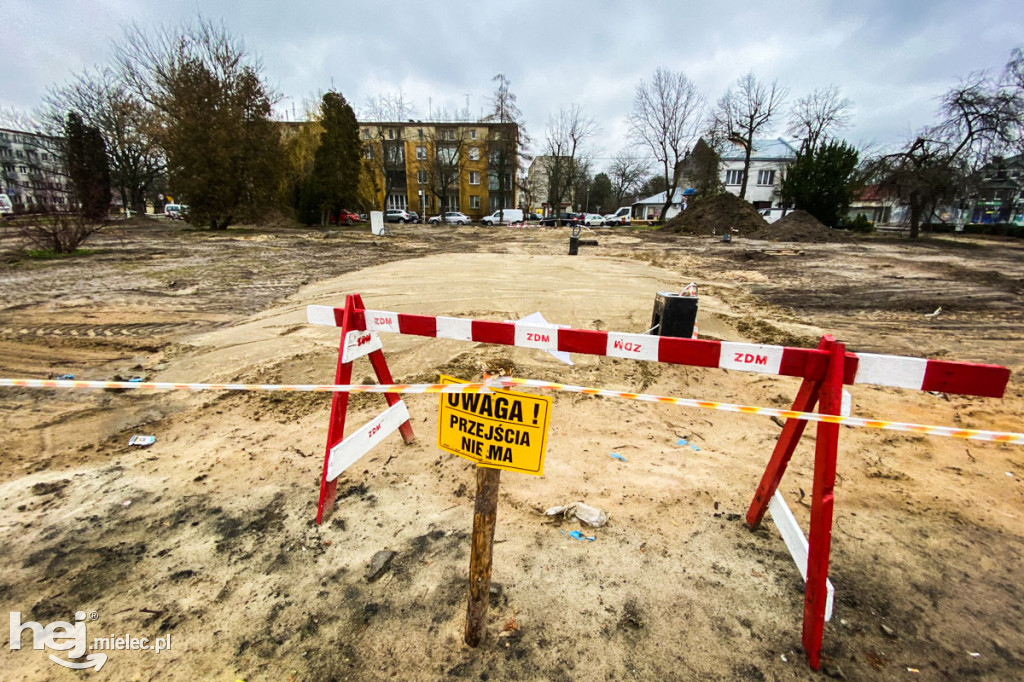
x=766, y=177
x=472, y=134
x=474, y=201
x=367, y=152
x=474, y=178
x=421, y=153
x=420, y=133
x=391, y=133
x=496, y=201
x=452, y=202
x=398, y=202
x=421, y=177
x=366, y=133
x=734, y=177
x=474, y=153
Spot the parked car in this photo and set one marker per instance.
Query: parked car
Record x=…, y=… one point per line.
x=533, y=217
x=397, y=216
x=176, y=211
x=452, y=218
x=564, y=218
x=415, y=216
x=6, y=207
x=344, y=217
x=620, y=217
x=593, y=220
x=505, y=215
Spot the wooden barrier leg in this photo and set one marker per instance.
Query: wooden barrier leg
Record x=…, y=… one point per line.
x=819, y=538
x=485, y=513
x=793, y=429
x=339, y=407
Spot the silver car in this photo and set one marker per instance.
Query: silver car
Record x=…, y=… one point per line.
x=452, y=218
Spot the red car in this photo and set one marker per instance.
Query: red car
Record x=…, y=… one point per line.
x=344, y=217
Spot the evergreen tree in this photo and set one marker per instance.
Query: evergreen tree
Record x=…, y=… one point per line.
x=86, y=160
x=223, y=149
x=334, y=184
x=822, y=181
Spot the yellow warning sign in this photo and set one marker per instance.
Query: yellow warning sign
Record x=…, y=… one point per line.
x=496, y=429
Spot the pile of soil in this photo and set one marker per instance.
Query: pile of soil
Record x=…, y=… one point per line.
x=798, y=226
x=717, y=215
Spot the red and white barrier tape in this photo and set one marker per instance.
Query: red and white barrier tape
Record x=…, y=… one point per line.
x=864, y=368
x=508, y=382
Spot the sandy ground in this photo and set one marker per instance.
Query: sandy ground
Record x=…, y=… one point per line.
x=208, y=535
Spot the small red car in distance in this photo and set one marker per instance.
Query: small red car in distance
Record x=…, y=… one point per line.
x=344, y=217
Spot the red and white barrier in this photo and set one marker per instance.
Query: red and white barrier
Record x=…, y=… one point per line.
x=824, y=370
x=860, y=368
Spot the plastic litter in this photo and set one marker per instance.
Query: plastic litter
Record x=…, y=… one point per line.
x=590, y=516
x=619, y=457
x=682, y=441
x=696, y=448
x=142, y=441
x=135, y=380
x=973, y=654
x=65, y=377
x=580, y=536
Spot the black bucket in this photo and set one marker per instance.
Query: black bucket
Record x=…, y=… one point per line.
x=674, y=315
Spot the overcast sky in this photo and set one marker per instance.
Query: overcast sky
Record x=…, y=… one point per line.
x=892, y=58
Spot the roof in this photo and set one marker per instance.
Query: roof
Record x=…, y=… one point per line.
x=764, y=150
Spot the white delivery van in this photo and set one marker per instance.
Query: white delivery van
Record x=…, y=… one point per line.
x=505, y=215
x=620, y=217
x=6, y=207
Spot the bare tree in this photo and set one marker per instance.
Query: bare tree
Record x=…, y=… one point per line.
x=745, y=112
x=627, y=173
x=505, y=139
x=980, y=118
x=816, y=118
x=127, y=124
x=666, y=116
x=444, y=162
x=383, y=147
x=567, y=134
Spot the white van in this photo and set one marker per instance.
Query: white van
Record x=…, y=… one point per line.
x=505, y=215
x=6, y=207
x=620, y=217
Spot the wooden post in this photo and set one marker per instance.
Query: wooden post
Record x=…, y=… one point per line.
x=485, y=513
x=793, y=429
x=819, y=539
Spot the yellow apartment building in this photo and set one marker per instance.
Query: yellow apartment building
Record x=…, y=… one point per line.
x=432, y=167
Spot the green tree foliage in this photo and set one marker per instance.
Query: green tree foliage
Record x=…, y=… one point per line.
x=822, y=181
x=86, y=161
x=223, y=150
x=700, y=170
x=334, y=182
x=601, y=193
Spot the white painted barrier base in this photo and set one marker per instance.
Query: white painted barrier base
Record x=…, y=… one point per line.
x=795, y=541
x=347, y=452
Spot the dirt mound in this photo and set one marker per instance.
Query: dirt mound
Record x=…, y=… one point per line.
x=717, y=215
x=798, y=226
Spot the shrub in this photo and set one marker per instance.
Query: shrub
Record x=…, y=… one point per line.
x=862, y=224
x=57, y=232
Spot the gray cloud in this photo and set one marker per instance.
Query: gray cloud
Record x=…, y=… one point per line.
x=891, y=58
